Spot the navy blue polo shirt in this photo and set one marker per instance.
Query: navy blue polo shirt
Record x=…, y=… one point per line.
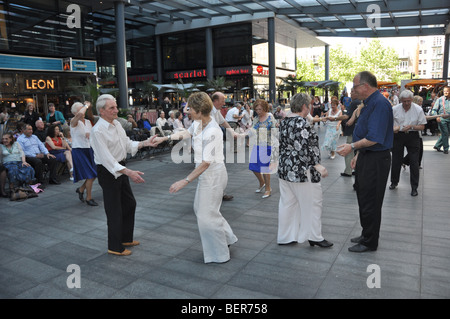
x=375, y=123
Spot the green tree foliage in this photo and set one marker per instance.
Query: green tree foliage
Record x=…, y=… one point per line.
x=381, y=61
x=376, y=58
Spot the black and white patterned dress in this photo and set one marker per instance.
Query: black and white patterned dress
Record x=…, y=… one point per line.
x=298, y=151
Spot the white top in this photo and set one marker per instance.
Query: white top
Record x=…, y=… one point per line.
x=161, y=122
x=111, y=145
x=247, y=117
x=207, y=143
x=177, y=124
x=217, y=116
x=414, y=116
x=78, y=133
x=231, y=112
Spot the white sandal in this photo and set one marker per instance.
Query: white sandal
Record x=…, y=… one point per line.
x=259, y=190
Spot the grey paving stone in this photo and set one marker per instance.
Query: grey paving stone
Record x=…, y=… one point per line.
x=39, y=238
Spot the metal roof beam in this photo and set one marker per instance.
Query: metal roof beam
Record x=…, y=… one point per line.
x=361, y=7
x=158, y=9
x=211, y=7
x=385, y=22
x=238, y=6
x=184, y=8
x=385, y=33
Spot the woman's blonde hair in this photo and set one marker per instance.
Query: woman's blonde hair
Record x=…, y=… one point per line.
x=200, y=102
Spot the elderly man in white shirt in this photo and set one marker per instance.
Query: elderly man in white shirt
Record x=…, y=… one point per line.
x=233, y=116
x=409, y=121
x=111, y=145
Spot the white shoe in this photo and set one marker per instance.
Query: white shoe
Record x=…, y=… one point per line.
x=260, y=189
x=332, y=156
x=267, y=195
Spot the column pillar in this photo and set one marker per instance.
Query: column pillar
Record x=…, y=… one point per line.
x=121, y=54
x=272, y=65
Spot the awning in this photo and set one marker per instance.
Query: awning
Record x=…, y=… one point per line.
x=386, y=83
x=426, y=82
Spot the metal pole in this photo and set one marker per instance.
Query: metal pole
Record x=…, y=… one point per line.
x=327, y=62
x=209, y=54
x=121, y=57
x=272, y=66
x=446, y=57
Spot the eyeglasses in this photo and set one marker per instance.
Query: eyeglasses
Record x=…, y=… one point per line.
x=355, y=86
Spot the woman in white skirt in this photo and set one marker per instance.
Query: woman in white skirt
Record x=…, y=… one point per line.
x=207, y=138
x=299, y=172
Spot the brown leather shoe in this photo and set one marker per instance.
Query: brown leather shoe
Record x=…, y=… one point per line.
x=133, y=243
x=126, y=252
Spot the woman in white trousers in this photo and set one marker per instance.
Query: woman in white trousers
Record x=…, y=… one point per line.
x=207, y=138
x=300, y=172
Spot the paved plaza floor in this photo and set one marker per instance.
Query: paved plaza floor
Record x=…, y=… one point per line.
x=41, y=237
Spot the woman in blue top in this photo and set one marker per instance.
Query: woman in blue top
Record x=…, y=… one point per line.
x=19, y=171
x=54, y=117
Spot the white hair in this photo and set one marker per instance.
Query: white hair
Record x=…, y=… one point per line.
x=76, y=107
x=101, y=101
x=406, y=94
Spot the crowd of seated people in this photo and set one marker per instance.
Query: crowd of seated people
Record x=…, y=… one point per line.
x=34, y=148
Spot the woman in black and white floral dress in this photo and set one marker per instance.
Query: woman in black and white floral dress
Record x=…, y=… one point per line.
x=300, y=172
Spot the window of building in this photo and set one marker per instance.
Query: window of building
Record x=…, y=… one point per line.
x=232, y=45
x=184, y=50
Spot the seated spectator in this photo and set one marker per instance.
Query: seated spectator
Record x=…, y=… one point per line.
x=162, y=124
x=128, y=124
x=41, y=131
x=4, y=116
x=233, y=116
x=57, y=146
x=131, y=120
x=279, y=113
x=144, y=123
x=171, y=118
x=54, y=117
x=36, y=154
x=67, y=136
x=13, y=159
x=187, y=122
x=2, y=180
x=178, y=123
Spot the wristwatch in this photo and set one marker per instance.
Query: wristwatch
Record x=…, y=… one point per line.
x=187, y=180
x=169, y=138
x=353, y=146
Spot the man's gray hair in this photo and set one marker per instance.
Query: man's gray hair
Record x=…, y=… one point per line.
x=101, y=101
x=406, y=94
x=298, y=100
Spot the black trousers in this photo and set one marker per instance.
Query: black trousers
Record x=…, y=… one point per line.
x=38, y=165
x=120, y=208
x=410, y=141
x=372, y=172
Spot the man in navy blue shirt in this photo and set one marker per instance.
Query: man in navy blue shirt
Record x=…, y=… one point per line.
x=372, y=138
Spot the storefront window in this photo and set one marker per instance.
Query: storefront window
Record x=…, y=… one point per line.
x=232, y=45
x=184, y=51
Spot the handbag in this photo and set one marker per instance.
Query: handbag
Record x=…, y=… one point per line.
x=22, y=193
x=18, y=195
